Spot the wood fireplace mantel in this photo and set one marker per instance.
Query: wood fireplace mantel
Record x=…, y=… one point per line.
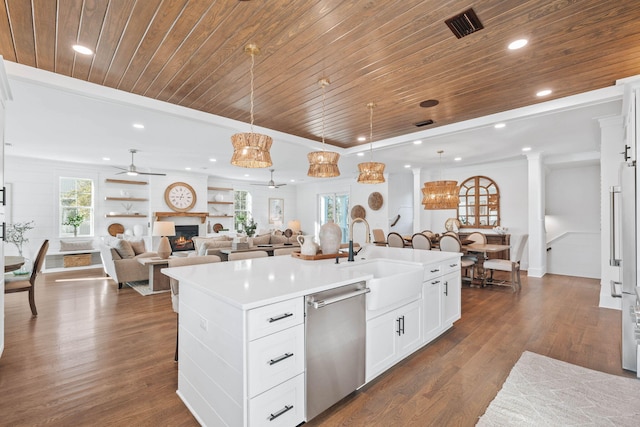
x=202, y=215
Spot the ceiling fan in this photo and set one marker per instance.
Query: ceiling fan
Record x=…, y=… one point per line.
x=132, y=170
x=271, y=183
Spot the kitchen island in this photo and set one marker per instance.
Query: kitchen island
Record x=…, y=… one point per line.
x=242, y=334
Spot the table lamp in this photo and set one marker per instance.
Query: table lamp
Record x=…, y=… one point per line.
x=294, y=225
x=164, y=229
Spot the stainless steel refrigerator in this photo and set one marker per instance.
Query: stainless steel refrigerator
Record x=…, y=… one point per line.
x=624, y=221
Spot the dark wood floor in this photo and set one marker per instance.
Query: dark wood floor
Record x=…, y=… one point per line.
x=97, y=355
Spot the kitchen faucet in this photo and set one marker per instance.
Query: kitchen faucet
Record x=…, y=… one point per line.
x=368, y=239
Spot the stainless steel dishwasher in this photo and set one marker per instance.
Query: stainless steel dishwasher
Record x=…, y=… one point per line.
x=335, y=327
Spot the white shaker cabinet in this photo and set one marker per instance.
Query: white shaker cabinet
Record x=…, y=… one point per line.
x=219, y=343
x=392, y=336
x=441, y=294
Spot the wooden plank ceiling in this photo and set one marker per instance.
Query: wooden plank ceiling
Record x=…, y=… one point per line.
x=395, y=53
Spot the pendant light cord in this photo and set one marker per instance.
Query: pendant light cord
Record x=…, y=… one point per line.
x=371, y=105
x=323, y=95
x=251, y=74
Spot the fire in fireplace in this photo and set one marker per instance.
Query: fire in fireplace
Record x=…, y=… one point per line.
x=182, y=240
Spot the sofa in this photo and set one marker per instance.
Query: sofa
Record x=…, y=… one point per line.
x=120, y=259
x=213, y=245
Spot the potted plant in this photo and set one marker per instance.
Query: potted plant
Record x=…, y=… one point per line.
x=16, y=234
x=250, y=227
x=74, y=221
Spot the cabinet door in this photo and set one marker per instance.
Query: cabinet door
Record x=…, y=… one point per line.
x=410, y=320
x=451, y=293
x=382, y=334
x=431, y=308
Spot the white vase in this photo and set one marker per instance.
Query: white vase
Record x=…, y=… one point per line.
x=307, y=245
x=330, y=238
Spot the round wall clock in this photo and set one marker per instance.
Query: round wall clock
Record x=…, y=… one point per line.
x=180, y=197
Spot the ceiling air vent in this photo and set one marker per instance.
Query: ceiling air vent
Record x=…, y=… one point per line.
x=424, y=123
x=464, y=24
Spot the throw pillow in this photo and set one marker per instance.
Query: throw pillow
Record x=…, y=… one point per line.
x=137, y=245
x=124, y=249
x=262, y=240
x=76, y=245
x=279, y=239
x=203, y=249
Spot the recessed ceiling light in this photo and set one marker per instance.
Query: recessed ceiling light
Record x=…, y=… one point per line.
x=526, y=148
x=106, y=159
x=518, y=44
x=138, y=125
x=360, y=154
x=292, y=180
x=83, y=50
x=417, y=142
x=544, y=92
x=187, y=168
x=499, y=125
x=457, y=159
x=407, y=166
x=246, y=174
x=362, y=138
x=213, y=160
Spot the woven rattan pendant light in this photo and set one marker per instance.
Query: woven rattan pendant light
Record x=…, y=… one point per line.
x=251, y=150
x=323, y=164
x=371, y=172
x=440, y=194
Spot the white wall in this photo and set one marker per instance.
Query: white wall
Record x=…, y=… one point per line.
x=400, y=203
x=572, y=220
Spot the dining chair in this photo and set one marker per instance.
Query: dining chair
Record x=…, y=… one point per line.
x=175, y=284
x=449, y=243
x=234, y=256
x=29, y=285
x=395, y=240
x=379, y=238
x=285, y=251
x=511, y=265
x=420, y=241
x=430, y=234
x=477, y=238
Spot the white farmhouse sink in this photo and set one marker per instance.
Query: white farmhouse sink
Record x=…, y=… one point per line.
x=392, y=280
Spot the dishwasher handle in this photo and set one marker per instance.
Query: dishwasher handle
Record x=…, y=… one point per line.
x=323, y=303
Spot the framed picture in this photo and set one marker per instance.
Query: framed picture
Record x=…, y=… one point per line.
x=276, y=211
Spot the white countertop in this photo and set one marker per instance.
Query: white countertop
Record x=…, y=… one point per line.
x=256, y=282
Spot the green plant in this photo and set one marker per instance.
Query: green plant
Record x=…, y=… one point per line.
x=250, y=227
x=16, y=233
x=74, y=221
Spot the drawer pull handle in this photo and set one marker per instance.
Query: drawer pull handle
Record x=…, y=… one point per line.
x=286, y=408
x=453, y=265
x=435, y=282
x=435, y=271
x=280, y=359
x=282, y=316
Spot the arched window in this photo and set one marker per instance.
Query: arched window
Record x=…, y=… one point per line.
x=479, y=205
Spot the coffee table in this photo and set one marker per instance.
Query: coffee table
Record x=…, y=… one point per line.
x=157, y=280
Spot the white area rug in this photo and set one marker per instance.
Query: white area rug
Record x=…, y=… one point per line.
x=541, y=391
x=142, y=287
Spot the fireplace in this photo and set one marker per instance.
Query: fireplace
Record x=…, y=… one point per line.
x=182, y=240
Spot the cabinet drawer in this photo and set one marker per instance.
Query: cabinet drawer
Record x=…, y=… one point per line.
x=450, y=265
x=432, y=270
x=281, y=406
x=274, y=317
x=275, y=358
